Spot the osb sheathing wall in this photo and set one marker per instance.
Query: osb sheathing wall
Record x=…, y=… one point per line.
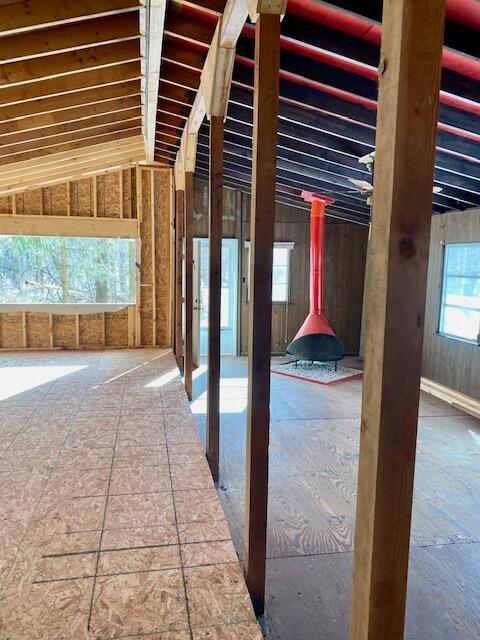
x=141, y=193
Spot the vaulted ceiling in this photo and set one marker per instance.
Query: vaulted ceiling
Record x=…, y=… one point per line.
x=327, y=111
x=70, y=89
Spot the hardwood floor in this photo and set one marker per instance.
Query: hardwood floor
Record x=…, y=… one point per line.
x=313, y=473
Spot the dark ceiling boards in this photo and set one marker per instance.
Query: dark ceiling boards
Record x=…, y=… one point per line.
x=328, y=93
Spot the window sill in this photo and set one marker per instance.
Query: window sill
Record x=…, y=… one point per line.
x=64, y=309
x=474, y=343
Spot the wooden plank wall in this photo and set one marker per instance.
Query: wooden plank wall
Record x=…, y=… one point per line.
x=142, y=193
x=453, y=363
x=346, y=246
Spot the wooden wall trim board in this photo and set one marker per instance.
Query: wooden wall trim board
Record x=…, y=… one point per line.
x=108, y=205
x=458, y=400
x=71, y=226
x=410, y=63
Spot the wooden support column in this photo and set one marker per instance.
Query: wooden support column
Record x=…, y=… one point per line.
x=187, y=360
x=215, y=292
x=179, y=214
x=395, y=302
x=267, y=54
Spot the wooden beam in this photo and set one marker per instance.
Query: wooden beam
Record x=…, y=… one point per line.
x=15, y=74
x=35, y=166
x=410, y=66
x=63, y=132
x=69, y=37
x=45, y=123
x=64, y=105
x=267, y=60
x=155, y=20
x=117, y=73
x=188, y=233
x=21, y=17
x=114, y=135
x=215, y=218
x=179, y=218
x=72, y=226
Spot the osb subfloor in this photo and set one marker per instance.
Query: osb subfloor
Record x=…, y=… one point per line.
x=314, y=441
x=110, y=526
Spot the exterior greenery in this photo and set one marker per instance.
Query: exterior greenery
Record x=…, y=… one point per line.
x=55, y=270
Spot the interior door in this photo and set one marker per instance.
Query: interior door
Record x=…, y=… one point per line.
x=197, y=259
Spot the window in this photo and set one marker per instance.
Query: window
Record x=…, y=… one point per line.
x=280, y=271
x=64, y=270
x=460, y=301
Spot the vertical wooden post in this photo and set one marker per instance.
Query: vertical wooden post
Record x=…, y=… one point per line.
x=187, y=361
x=214, y=292
x=179, y=201
x=153, y=259
x=267, y=55
x=395, y=303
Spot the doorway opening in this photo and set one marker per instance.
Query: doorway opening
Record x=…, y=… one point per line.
x=229, y=298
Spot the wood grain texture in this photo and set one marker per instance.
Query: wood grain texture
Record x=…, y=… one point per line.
x=188, y=231
x=179, y=222
x=314, y=444
x=265, y=110
x=214, y=292
x=410, y=65
x=344, y=267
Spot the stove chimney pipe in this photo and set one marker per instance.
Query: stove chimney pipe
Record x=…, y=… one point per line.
x=315, y=339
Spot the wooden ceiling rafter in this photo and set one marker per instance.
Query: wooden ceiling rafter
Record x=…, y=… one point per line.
x=22, y=17
x=92, y=98
x=61, y=167
x=70, y=37
x=73, y=78
x=37, y=166
x=48, y=121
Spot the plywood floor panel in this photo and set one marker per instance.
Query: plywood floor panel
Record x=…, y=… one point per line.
x=109, y=522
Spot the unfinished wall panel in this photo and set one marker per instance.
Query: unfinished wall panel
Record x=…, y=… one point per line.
x=6, y=205
x=64, y=332
x=11, y=330
x=116, y=328
x=163, y=255
x=113, y=195
x=147, y=267
x=38, y=330
x=91, y=331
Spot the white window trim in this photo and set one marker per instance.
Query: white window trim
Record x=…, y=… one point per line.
x=279, y=245
x=443, y=304
x=68, y=308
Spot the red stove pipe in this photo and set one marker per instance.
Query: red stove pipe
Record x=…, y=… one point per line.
x=319, y=323
x=317, y=233
x=316, y=340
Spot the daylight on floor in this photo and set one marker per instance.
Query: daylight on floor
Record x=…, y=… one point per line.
x=239, y=320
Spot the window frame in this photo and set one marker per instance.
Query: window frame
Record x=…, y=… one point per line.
x=79, y=227
x=442, y=301
x=289, y=245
